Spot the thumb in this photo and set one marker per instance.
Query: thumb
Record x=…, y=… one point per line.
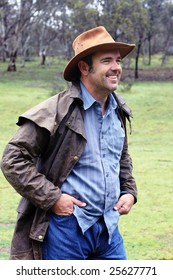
x=118, y=205
x=78, y=202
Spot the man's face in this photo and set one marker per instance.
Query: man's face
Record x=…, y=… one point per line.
x=106, y=71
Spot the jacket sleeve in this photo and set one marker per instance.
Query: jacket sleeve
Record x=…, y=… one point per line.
x=127, y=182
x=19, y=166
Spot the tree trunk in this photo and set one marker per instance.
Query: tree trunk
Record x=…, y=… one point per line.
x=137, y=59
x=12, y=65
x=149, y=49
x=43, y=57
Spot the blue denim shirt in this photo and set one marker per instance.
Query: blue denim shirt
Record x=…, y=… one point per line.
x=95, y=177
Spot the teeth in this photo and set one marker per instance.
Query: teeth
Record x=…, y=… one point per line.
x=113, y=77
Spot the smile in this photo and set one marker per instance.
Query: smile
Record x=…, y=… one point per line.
x=112, y=78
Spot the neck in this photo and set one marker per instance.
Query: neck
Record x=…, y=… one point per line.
x=97, y=95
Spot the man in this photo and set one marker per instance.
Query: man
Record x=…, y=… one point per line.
x=69, y=161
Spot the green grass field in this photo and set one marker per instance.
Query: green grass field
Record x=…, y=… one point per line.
x=148, y=228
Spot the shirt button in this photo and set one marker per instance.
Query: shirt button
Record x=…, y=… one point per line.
x=76, y=157
x=40, y=237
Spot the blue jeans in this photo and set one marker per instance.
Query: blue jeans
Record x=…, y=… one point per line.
x=65, y=241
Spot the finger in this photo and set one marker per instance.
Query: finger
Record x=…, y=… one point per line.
x=78, y=202
x=123, y=211
x=64, y=213
x=118, y=205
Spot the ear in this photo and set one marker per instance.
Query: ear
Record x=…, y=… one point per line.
x=83, y=67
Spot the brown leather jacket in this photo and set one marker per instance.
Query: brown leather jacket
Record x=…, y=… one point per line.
x=38, y=159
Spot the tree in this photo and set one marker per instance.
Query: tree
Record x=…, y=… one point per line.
x=79, y=12
x=46, y=24
x=15, y=20
x=3, y=29
x=128, y=23
x=167, y=23
x=140, y=25
x=154, y=11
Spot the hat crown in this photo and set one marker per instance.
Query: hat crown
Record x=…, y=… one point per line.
x=91, y=38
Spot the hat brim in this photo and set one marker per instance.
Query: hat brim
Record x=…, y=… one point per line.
x=70, y=72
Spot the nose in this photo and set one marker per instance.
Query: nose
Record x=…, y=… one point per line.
x=116, y=66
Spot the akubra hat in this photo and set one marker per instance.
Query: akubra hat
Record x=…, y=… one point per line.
x=91, y=41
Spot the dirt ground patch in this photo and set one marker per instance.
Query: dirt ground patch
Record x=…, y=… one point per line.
x=165, y=74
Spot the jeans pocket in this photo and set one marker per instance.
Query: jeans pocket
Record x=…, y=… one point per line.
x=61, y=219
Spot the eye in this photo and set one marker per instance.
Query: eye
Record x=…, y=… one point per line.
x=118, y=61
x=106, y=60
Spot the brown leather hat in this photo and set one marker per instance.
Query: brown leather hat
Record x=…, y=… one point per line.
x=93, y=40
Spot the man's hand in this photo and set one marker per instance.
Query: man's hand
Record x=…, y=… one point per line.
x=124, y=204
x=64, y=205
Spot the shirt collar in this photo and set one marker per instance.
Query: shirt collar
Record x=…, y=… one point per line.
x=88, y=100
